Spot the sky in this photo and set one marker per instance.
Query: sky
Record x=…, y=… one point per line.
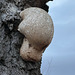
x=59, y=57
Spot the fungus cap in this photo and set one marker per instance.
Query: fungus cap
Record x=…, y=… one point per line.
x=37, y=26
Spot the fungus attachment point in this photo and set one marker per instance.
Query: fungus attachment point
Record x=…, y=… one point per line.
x=37, y=26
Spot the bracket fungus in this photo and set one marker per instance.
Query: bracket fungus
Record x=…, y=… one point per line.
x=37, y=27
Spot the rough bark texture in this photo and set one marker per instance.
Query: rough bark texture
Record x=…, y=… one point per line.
x=10, y=39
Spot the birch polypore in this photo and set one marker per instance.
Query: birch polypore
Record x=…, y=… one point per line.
x=37, y=26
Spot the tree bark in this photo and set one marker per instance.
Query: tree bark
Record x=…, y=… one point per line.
x=11, y=40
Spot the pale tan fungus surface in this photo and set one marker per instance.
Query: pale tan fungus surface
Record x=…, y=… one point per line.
x=38, y=28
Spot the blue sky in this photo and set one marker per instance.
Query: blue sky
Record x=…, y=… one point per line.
x=59, y=57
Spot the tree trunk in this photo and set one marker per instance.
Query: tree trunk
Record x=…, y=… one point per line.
x=11, y=40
